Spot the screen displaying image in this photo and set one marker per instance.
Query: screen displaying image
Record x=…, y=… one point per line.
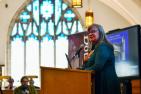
x=126, y=50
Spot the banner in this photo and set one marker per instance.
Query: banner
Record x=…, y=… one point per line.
x=78, y=48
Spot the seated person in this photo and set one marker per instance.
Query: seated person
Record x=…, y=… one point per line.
x=31, y=83
x=10, y=85
x=25, y=88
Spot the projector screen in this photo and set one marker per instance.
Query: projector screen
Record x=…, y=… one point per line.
x=126, y=44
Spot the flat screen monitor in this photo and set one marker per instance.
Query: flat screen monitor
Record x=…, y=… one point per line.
x=127, y=52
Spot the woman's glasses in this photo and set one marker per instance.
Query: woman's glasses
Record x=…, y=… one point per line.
x=92, y=31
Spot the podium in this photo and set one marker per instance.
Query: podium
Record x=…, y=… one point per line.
x=65, y=81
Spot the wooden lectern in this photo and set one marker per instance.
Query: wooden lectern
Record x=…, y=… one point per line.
x=65, y=81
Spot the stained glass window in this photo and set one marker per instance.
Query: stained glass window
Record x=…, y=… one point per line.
x=39, y=37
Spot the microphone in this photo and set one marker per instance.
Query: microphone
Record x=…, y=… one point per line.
x=69, y=62
x=78, y=51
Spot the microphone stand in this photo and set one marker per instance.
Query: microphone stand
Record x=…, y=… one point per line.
x=77, y=53
x=79, y=61
x=69, y=61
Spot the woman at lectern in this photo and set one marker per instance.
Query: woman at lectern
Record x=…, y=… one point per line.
x=101, y=60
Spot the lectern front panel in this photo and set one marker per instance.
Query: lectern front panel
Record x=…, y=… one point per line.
x=64, y=81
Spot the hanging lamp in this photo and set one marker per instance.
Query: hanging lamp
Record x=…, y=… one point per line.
x=76, y=3
x=89, y=18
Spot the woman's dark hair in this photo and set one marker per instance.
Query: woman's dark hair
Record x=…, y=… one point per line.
x=24, y=77
x=101, y=33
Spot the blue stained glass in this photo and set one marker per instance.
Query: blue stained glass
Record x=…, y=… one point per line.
x=69, y=15
x=64, y=6
x=20, y=31
x=73, y=30
x=80, y=28
x=58, y=31
x=62, y=36
x=17, y=37
x=48, y=37
x=24, y=17
x=43, y=28
x=24, y=20
x=69, y=24
x=29, y=31
x=46, y=9
x=36, y=8
x=14, y=31
x=24, y=26
x=28, y=7
x=35, y=29
x=65, y=29
x=36, y=11
x=57, y=10
x=33, y=37
x=49, y=1
x=51, y=28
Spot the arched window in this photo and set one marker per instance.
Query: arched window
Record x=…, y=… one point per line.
x=39, y=37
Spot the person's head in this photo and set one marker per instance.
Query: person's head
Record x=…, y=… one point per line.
x=31, y=82
x=24, y=81
x=96, y=34
x=10, y=80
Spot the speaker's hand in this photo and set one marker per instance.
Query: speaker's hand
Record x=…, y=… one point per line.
x=86, y=57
